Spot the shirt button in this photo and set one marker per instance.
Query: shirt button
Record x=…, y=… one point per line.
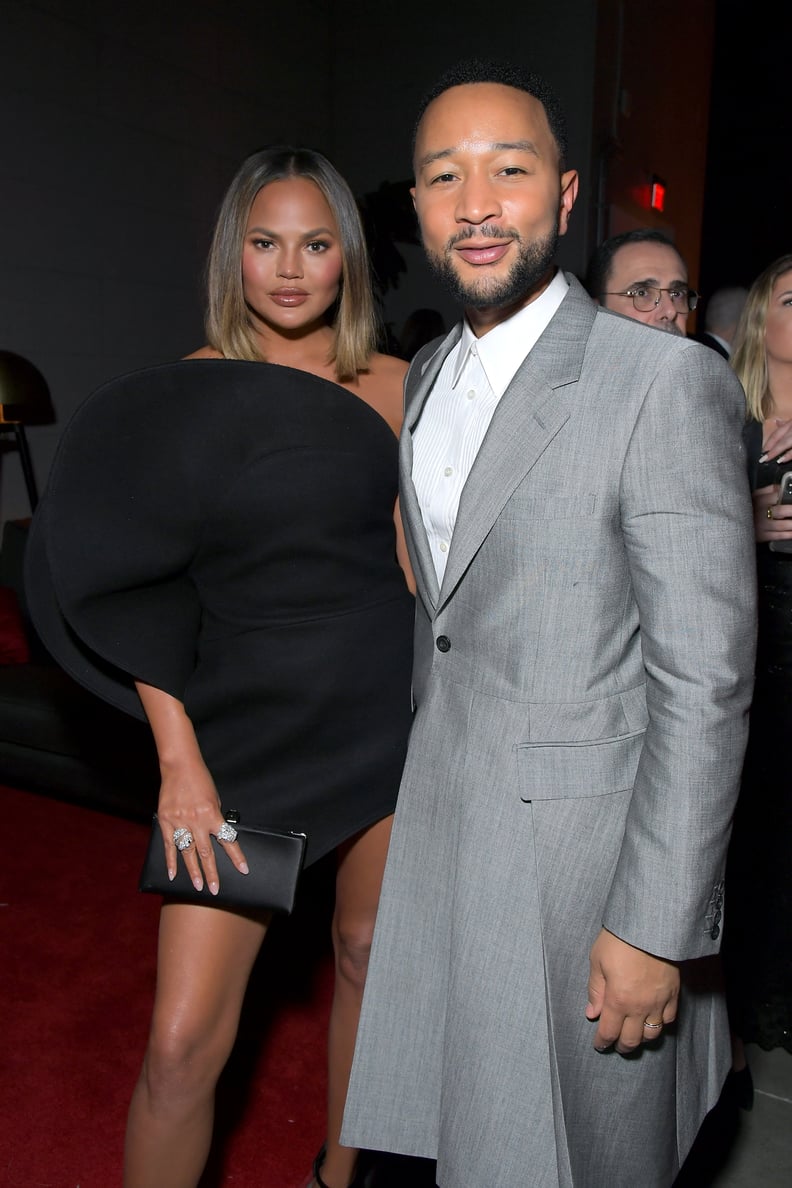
x=471, y=394
x=443, y=643
x=449, y=470
x=443, y=547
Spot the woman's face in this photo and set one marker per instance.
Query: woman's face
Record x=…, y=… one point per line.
x=778, y=327
x=291, y=258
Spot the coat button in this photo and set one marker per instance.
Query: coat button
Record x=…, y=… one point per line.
x=443, y=643
x=715, y=931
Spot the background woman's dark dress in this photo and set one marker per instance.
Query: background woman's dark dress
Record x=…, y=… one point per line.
x=757, y=942
x=224, y=531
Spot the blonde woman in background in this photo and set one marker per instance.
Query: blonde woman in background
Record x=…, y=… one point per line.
x=757, y=944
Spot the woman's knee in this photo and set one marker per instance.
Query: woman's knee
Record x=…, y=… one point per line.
x=184, y=1060
x=352, y=944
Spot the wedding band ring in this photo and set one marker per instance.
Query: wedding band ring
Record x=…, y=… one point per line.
x=653, y=1026
x=769, y=513
x=182, y=839
x=226, y=833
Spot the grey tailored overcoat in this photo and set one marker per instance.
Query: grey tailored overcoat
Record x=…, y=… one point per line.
x=581, y=682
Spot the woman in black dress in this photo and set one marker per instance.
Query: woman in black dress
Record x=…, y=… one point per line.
x=219, y=550
x=757, y=941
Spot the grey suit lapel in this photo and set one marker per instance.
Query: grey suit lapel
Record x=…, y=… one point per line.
x=530, y=413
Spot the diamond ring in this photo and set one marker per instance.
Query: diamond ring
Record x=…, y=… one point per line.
x=182, y=839
x=226, y=833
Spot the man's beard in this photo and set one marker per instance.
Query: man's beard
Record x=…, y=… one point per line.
x=531, y=266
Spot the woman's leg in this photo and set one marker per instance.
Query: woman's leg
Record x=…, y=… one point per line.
x=358, y=881
x=204, y=961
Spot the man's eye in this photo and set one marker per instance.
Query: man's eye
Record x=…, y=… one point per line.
x=638, y=291
x=677, y=294
x=512, y=170
x=442, y=177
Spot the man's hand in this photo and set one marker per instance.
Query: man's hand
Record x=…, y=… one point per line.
x=627, y=989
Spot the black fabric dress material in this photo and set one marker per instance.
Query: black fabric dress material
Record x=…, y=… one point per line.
x=757, y=939
x=224, y=531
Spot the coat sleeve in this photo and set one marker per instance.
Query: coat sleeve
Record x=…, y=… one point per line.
x=688, y=531
x=108, y=562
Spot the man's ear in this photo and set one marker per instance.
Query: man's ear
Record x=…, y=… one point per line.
x=412, y=195
x=569, y=193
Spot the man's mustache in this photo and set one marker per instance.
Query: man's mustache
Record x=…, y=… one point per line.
x=485, y=231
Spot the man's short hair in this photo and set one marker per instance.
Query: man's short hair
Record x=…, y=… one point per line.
x=507, y=74
x=601, y=262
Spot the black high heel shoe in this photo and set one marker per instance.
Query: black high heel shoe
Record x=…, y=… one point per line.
x=360, y=1179
x=317, y=1163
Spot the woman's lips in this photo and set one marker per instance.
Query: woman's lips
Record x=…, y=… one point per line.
x=289, y=296
x=488, y=253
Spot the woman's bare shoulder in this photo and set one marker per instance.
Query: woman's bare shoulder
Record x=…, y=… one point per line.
x=382, y=386
x=388, y=367
x=204, y=352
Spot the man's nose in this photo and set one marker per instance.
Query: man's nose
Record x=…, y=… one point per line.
x=666, y=308
x=477, y=202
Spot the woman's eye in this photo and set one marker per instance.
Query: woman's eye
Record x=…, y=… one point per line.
x=317, y=245
x=262, y=243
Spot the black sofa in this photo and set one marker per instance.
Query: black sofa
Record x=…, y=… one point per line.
x=56, y=737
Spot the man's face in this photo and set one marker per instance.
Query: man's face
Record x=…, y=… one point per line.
x=489, y=198
x=637, y=265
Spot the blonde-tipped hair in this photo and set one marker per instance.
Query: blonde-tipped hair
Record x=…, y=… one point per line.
x=749, y=354
x=229, y=324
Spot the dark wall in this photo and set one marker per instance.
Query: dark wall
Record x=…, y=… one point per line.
x=747, y=220
x=122, y=124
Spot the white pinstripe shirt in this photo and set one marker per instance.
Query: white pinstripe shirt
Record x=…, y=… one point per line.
x=458, y=411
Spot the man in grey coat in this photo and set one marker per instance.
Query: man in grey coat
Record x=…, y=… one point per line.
x=543, y=1003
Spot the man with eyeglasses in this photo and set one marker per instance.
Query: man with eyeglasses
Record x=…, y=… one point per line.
x=641, y=275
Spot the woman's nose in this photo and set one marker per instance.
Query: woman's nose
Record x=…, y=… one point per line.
x=289, y=265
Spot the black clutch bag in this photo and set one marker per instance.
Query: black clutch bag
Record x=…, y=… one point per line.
x=275, y=858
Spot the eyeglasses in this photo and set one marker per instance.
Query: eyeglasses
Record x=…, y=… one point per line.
x=645, y=298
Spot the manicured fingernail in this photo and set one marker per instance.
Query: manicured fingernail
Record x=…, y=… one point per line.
x=604, y=1048
x=763, y=457
x=214, y=888
x=198, y=884
x=782, y=458
x=171, y=875
x=245, y=868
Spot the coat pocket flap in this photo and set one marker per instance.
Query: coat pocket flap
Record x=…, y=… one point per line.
x=557, y=771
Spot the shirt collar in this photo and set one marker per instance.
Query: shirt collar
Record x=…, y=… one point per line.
x=503, y=348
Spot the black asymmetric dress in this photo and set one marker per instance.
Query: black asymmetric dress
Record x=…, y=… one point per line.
x=224, y=531
x=757, y=939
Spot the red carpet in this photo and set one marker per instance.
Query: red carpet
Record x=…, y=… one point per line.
x=76, y=985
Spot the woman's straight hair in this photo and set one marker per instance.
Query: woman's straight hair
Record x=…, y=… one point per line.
x=749, y=354
x=229, y=322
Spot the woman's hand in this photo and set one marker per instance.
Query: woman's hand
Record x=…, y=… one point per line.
x=189, y=807
x=777, y=525
x=188, y=802
x=778, y=446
